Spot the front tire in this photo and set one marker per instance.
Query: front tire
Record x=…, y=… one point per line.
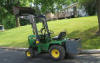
x=29, y=53
x=57, y=52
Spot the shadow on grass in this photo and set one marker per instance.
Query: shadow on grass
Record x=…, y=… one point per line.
x=88, y=37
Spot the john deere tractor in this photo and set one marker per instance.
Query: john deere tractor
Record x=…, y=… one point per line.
x=41, y=41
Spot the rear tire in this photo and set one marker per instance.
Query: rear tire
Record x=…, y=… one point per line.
x=57, y=52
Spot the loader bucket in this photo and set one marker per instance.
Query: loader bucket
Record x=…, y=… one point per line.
x=73, y=46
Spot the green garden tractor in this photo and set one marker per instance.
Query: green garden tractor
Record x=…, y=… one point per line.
x=41, y=41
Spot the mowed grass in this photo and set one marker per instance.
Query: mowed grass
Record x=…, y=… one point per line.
x=84, y=28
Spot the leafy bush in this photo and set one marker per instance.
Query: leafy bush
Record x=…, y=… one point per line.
x=9, y=21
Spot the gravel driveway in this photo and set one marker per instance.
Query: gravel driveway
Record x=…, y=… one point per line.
x=13, y=56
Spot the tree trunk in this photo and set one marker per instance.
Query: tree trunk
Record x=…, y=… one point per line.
x=75, y=11
x=17, y=22
x=98, y=13
x=1, y=21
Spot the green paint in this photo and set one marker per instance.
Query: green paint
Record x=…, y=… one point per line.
x=43, y=46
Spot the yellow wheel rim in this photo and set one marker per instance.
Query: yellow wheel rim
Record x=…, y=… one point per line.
x=55, y=53
x=28, y=54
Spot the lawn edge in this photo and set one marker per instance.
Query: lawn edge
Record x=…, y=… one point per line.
x=89, y=51
x=13, y=48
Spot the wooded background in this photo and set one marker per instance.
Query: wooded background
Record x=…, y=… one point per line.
x=43, y=7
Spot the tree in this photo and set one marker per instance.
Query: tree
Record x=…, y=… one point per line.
x=50, y=5
x=6, y=8
x=89, y=5
x=92, y=7
x=98, y=13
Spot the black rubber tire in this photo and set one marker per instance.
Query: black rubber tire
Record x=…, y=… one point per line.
x=31, y=53
x=61, y=50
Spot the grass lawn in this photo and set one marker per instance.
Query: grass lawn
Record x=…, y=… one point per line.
x=84, y=27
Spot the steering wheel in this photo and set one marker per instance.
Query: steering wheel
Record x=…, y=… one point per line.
x=43, y=31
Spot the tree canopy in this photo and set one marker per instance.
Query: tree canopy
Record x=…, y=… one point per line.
x=52, y=5
x=6, y=16
x=89, y=5
x=42, y=6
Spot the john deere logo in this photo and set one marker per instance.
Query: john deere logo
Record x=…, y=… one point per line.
x=37, y=42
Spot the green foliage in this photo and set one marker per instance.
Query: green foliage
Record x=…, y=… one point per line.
x=8, y=4
x=6, y=13
x=24, y=22
x=25, y=3
x=50, y=5
x=9, y=21
x=90, y=6
x=88, y=26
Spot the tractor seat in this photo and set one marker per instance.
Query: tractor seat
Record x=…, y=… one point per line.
x=60, y=36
